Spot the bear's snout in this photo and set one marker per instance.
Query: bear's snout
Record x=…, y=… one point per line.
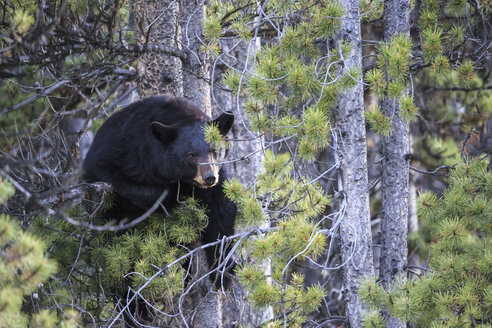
x=209, y=179
x=207, y=173
x=206, y=179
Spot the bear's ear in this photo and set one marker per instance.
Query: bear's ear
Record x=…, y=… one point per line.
x=163, y=133
x=224, y=122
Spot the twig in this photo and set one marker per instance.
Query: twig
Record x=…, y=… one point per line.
x=435, y=171
x=123, y=224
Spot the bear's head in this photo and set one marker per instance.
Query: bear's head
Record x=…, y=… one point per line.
x=190, y=158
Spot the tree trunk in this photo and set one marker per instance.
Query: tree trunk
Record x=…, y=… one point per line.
x=249, y=146
x=172, y=24
x=413, y=220
x=196, y=72
x=395, y=168
x=236, y=305
x=156, y=23
x=355, y=229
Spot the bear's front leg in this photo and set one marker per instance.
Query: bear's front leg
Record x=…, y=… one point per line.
x=222, y=214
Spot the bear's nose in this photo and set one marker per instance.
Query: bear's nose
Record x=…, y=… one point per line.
x=209, y=179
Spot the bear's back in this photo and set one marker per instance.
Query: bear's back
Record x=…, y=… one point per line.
x=165, y=109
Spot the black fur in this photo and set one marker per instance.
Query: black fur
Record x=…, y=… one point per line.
x=152, y=145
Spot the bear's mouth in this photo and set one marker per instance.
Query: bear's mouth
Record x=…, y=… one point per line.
x=200, y=183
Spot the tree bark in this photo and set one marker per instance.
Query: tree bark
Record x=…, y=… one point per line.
x=355, y=229
x=395, y=167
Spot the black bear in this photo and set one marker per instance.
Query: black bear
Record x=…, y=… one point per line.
x=158, y=144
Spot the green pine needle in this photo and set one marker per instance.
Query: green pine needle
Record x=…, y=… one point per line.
x=316, y=128
x=289, y=43
x=441, y=65
x=427, y=205
x=117, y=262
x=428, y=18
x=405, y=308
x=372, y=293
x=301, y=81
x=453, y=233
x=183, y=234
x=262, y=248
x=395, y=89
x=250, y=275
x=307, y=151
x=234, y=190
x=395, y=57
x=466, y=72
x=260, y=90
x=312, y=298
x=286, y=125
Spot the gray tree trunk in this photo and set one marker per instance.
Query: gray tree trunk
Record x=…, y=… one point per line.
x=195, y=76
x=178, y=25
x=246, y=145
x=196, y=72
x=156, y=23
x=395, y=166
x=237, y=309
x=355, y=229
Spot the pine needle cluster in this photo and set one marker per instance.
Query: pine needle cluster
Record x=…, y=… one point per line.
x=456, y=291
x=380, y=123
x=215, y=139
x=24, y=267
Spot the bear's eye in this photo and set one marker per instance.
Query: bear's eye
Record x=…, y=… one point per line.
x=191, y=155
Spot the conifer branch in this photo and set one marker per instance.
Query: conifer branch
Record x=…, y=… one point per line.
x=33, y=98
